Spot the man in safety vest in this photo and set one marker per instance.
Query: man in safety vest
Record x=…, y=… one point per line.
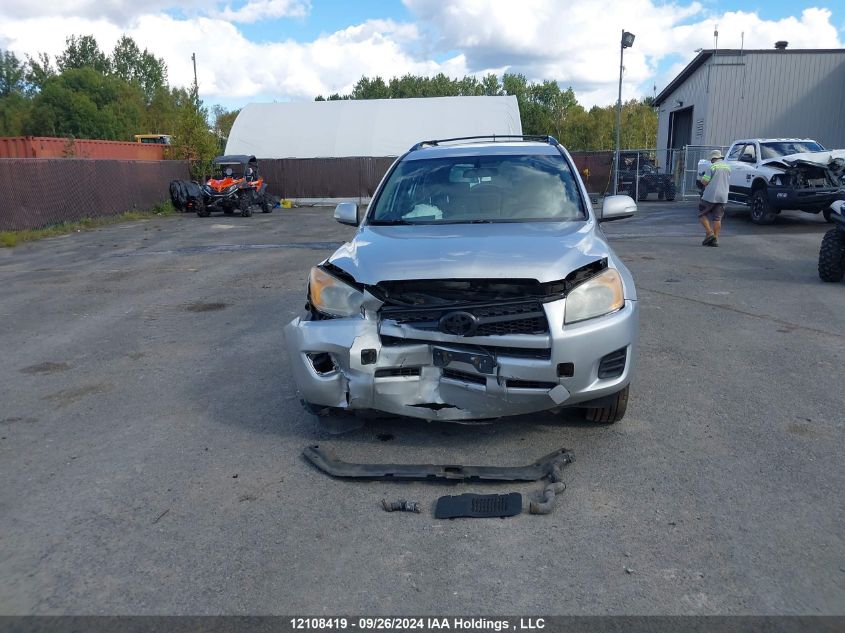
x=716, y=182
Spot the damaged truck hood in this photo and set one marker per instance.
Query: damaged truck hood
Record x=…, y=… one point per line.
x=823, y=159
x=544, y=251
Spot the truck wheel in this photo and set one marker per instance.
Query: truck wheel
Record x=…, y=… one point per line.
x=266, y=204
x=612, y=413
x=643, y=190
x=827, y=213
x=670, y=191
x=761, y=210
x=202, y=210
x=832, y=256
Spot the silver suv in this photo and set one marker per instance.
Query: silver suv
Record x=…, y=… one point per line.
x=478, y=285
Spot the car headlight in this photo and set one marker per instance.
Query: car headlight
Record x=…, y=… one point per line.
x=598, y=295
x=330, y=295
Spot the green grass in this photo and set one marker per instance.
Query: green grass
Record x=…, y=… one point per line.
x=9, y=239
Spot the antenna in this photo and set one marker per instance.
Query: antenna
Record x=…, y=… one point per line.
x=741, y=43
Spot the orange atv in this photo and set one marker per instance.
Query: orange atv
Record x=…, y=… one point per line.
x=234, y=185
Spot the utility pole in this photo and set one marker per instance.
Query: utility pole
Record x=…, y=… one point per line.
x=626, y=42
x=196, y=85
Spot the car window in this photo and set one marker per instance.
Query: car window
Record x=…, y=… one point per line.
x=735, y=152
x=785, y=148
x=750, y=150
x=498, y=188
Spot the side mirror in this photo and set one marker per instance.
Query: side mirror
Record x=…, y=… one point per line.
x=346, y=213
x=617, y=208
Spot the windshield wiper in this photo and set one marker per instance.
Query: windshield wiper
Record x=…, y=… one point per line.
x=389, y=222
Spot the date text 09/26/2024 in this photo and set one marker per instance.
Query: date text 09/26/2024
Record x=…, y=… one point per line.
x=417, y=624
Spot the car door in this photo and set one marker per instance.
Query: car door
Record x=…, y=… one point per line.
x=743, y=166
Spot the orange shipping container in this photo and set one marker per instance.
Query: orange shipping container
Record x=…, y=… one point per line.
x=51, y=147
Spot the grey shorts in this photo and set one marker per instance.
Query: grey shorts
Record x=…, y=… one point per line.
x=714, y=209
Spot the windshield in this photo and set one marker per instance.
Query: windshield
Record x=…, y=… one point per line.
x=496, y=188
x=228, y=170
x=785, y=148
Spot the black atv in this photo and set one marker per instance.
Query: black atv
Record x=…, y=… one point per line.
x=832, y=252
x=235, y=185
x=650, y=179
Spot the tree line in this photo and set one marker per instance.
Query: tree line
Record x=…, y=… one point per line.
x=86, y=93
x=545, y=109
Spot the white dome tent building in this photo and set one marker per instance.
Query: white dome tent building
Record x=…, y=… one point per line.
x=325, y=151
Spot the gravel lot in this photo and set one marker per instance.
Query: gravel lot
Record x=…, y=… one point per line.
x=151, y=439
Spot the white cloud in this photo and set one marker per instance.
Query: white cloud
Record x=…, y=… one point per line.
x=255, y=10
x=574, y=42
x=123, y=11
x=577, y=42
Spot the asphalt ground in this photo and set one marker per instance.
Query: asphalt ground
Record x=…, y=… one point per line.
x=151, y=438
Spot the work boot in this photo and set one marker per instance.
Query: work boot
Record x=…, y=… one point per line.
x=708, y=241
x=714, y=241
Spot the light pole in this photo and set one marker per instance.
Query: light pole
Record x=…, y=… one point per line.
x=626, y=42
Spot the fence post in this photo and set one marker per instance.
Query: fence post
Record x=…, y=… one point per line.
x=684, y=174
x=637, y=176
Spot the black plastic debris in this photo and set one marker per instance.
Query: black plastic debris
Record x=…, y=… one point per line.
x=478, y=506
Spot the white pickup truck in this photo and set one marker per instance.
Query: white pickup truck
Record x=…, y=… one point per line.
x=770, y=175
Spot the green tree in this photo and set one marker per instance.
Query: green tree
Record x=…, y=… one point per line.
x=83, y=103
x=82, y=52
x=192, y=140
x=38, y=70
x=14, y=114
x=223, y=120
x=129, y=63
x=370, y=89
x=12, y=74
x=490, y=86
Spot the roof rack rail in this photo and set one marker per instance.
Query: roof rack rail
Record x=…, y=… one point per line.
x=551, y=140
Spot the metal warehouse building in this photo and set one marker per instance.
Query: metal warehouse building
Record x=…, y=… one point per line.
x=723, y=95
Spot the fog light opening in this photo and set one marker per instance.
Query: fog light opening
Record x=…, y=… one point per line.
x=566, y=370
x=322, y=363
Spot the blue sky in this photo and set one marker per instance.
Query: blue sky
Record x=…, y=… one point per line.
x=264, y=50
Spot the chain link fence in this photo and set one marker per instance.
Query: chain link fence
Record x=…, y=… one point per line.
x=37, y=192
x=646, y=173
x=691, y=155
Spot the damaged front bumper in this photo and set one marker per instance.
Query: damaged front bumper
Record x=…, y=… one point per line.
x=364, y=363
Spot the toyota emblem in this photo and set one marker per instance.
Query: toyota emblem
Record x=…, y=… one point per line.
x=459, y=323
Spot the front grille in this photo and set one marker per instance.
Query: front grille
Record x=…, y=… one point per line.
x=397, y=371
x=530, y=384
x=454, y=374
x=526, y=317
x=613, y=364
x=496, y=350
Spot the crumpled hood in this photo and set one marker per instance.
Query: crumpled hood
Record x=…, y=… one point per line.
x=543, y=251
x=819, y=158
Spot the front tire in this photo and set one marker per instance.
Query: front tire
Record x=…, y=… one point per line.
x=611, y=413
x=203, y=211
x=761, y=210
x=670, y=192
x=832, y=256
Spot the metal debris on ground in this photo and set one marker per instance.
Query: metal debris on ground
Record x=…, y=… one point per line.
x=401, y=505
x=548, y=503
x=548, y=466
